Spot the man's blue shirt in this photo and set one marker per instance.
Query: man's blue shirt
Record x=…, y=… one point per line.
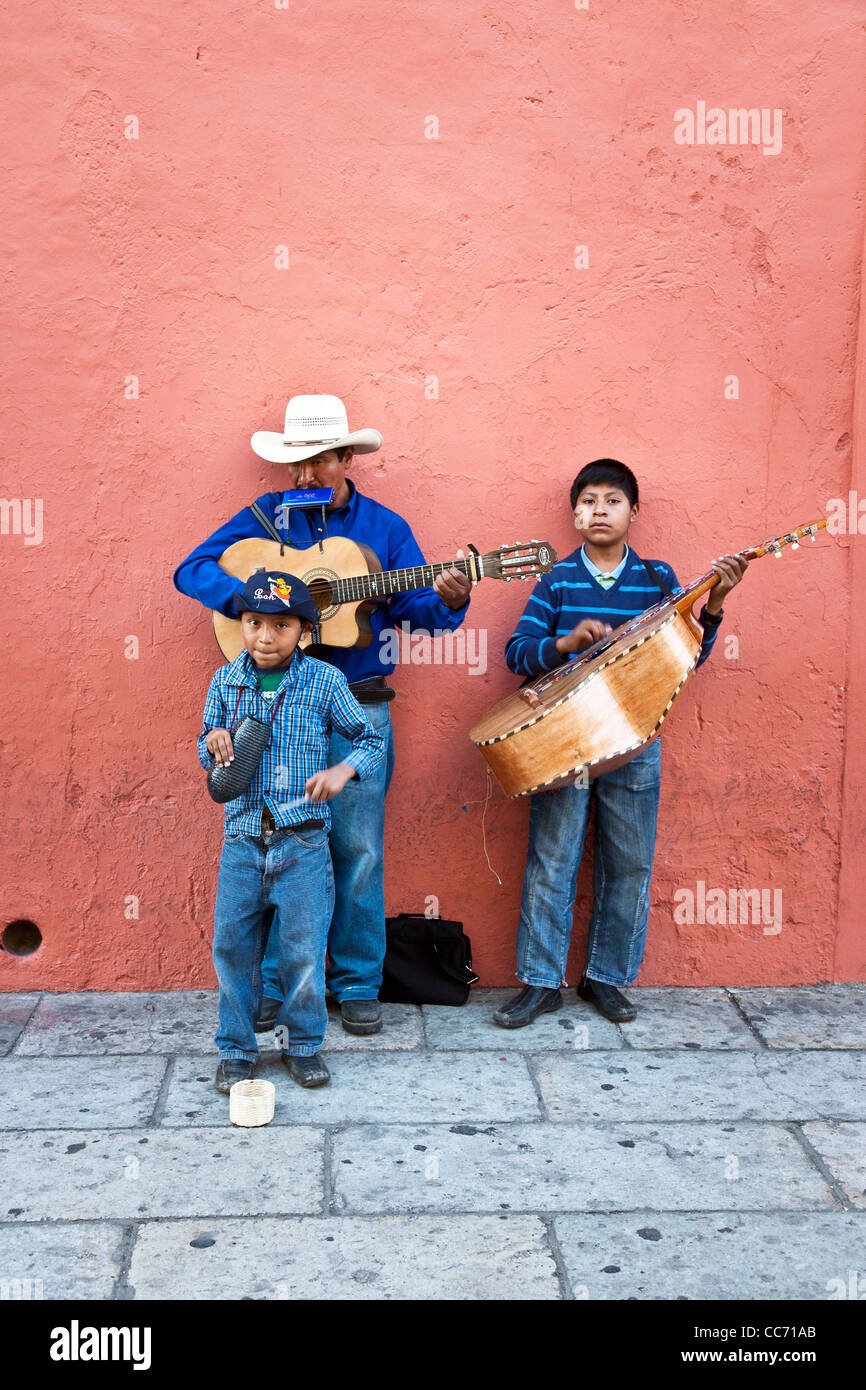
x=311, y=699
x=362, y=520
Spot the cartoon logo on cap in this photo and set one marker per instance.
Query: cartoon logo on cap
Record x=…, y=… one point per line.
x=281, y=590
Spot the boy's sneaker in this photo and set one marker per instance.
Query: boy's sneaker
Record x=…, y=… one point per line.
x=230, y=1070
x=307, y=1071
x=267, y=1015
x=361, y=1015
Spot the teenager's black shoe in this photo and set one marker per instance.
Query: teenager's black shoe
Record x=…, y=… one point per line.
x=361, y=1015
x=608, y=1000
x=527, y=1005
x=307, y=1071
x=267, y=1015
x=230, y=1070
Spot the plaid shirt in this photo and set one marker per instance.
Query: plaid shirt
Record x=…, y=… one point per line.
x=314, y=697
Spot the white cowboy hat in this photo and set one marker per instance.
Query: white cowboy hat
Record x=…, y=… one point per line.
x=313, y=424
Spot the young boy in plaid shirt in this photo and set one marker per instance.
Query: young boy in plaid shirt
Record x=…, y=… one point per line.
x=275, y=853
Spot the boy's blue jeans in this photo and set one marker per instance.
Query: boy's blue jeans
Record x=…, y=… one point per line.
x=356, y=940
x=625, y=830
x=290, y=874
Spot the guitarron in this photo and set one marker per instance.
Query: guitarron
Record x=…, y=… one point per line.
x=600, y=709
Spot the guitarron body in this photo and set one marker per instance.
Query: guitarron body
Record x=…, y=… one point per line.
x=601, y=708
x=595, y=713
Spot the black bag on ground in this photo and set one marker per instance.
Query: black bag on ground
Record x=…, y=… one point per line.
x=428, y=960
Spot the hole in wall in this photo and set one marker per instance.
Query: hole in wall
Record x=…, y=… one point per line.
x=21, y=938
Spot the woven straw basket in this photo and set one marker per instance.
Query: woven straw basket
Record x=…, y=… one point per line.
x=251, y=1103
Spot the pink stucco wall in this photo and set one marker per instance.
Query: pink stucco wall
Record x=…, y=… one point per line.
x=411, y=259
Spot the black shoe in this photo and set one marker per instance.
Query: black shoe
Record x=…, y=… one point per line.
x=361, y=1015
x=527, y=1005
x=230, y=1070
x=267, y=1015
x=608, y=1000
x=307, y=1071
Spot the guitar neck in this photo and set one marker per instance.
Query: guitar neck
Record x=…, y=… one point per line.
x=384, y=583
x=711, y=578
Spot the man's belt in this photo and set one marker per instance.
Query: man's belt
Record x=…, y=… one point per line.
x=373, y=691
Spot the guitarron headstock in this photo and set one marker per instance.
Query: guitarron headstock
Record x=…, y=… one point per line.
x=791, y=538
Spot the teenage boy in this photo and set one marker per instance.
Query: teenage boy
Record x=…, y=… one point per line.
x=284, y=871
x=595, y=589
x=316, y=449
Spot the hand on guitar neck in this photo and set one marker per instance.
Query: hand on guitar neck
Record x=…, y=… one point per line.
x=731, y=569
x=453, y=587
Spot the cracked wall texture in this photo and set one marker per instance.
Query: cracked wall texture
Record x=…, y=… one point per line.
x=409, y=259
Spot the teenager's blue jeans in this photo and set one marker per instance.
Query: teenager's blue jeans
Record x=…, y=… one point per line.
x=626, y=807
x=288, y=874
x=356, y=940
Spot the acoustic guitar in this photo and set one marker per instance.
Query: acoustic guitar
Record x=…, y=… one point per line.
x=346, y=581
x=600, y=709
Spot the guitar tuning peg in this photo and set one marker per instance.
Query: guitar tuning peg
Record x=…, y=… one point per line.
x=795, y=545
x=778, y=554
x=812, y=536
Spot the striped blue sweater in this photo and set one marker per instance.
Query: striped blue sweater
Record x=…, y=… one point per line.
x=568, y=594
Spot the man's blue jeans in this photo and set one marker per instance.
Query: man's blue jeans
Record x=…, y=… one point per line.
x=356, y=940
x=625, y=830
x=288, y=874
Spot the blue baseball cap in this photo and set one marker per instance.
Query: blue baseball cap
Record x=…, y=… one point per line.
x=275, y=591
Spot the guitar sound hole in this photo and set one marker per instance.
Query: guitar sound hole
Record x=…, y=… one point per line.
x=321, y=585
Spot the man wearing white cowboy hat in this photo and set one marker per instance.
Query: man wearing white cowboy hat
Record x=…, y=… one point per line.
x=317, y=448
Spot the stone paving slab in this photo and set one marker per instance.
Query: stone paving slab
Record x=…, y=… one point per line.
x=686, y=1018
x=80, y=1092
x=77, y=1174
x=808, y=1015
x=80, y=1260
x=401, y=1030
x=184, y=1021
x=389, y=1257
x=94, y=1024
x=579, y=1167
x=843, y=1149
x=576, y=1024
x=384, y=1087
x=703, y=1085
x=722, y=1255
x=15, y=1009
